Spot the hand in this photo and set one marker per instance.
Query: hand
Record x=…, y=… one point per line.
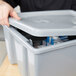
x=5, y=11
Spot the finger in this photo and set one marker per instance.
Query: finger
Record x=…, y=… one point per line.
x=1, y=22
x=1, y=17
x=5, y=18
x=14, y=15
x=6, y=22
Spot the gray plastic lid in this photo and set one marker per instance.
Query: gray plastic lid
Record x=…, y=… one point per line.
x=47, y=23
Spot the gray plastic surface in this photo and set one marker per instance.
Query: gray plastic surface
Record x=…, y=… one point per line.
x=57, y=60
x=10, y=46
x=47, y=23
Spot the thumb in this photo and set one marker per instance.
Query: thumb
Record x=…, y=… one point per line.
x=14, y=15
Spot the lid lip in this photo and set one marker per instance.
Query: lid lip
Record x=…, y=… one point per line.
x=40, y=50
x=38, y=32
x=35, y=13
x=54, y=47
x=43, y=32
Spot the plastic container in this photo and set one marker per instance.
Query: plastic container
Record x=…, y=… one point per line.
x=56, y=60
